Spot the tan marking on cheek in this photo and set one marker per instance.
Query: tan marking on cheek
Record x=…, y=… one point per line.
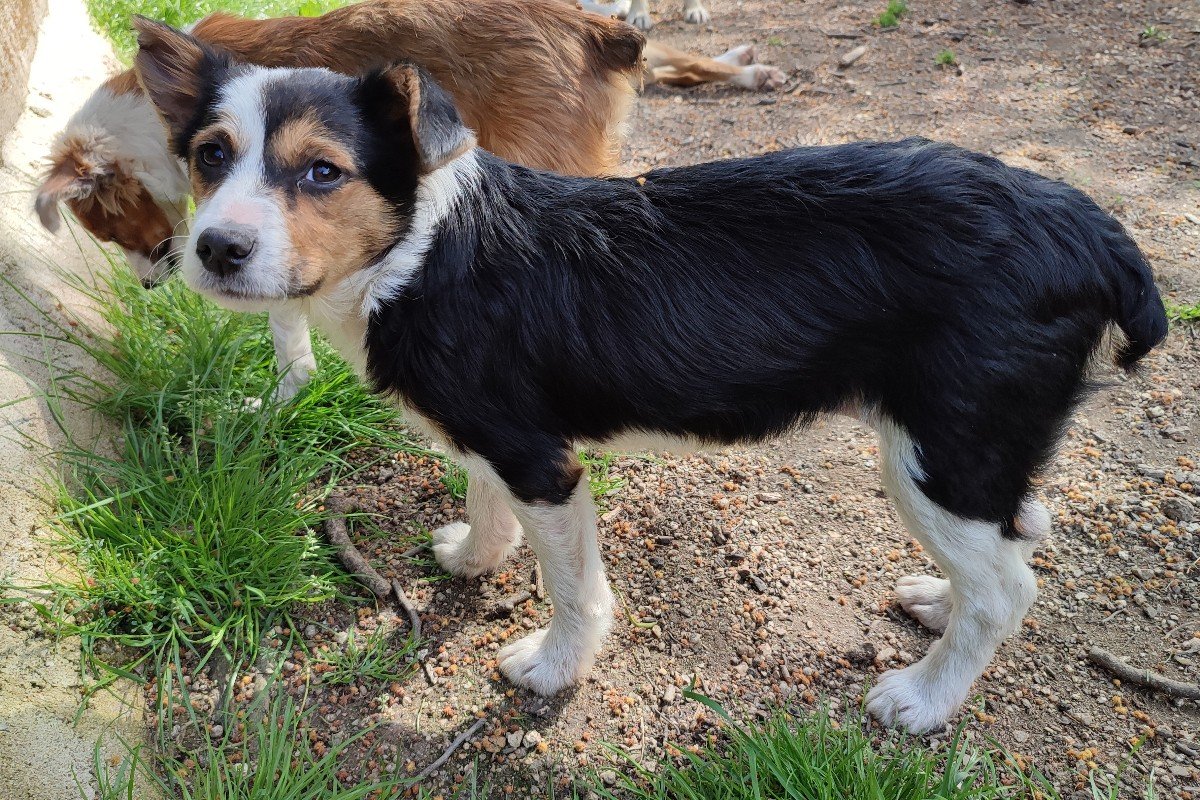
x=335, y=234
x=201, y=189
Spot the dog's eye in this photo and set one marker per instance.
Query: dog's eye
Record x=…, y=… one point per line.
x=323, y=172
x=211, y=154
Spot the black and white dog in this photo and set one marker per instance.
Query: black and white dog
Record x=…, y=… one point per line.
x=951, y=301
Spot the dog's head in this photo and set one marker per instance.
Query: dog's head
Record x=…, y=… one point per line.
x=301, y=176
x=111, y=167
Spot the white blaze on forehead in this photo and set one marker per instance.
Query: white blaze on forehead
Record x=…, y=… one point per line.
x=241, y=197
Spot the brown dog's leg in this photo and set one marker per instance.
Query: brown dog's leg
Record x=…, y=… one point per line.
x=667, y=65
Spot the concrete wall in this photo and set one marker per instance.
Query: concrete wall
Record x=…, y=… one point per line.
x=19, y=22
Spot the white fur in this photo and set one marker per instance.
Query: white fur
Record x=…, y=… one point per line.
x=293, y=351
x=637, y=12
x=638, y=15
x=695, y=13
x=564, y=539
x=242, y=198
x=127, y=130
x=926, y=599
x=990, y=589
x=739, y=56
x=493, y=532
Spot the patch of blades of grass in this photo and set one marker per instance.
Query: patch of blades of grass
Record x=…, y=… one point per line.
x=890, y=18
x=812, y=757
x=111, y=17
x=1183, y=314
x=380, y=656
x=274, y=761
x=194, y=527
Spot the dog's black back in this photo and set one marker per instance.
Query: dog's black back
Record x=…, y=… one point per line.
x=728, y=301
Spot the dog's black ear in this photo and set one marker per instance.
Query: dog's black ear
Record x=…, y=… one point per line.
x=177, y=71
x=406, y=95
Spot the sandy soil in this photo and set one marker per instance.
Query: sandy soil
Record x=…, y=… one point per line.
x=43, y=750
x=766, y=575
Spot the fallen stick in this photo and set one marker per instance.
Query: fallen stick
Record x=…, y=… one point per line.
x=347, y=553
x=1142, y=677
x=444, y=757
x=510, y=604
x=413, y=617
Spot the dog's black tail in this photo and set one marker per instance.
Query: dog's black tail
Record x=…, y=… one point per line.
x=1138, y=308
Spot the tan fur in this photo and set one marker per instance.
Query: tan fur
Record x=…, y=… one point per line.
x=668, y=65
x=330, y=234
x=540, y=82
x=299, y=142
x=333, y=235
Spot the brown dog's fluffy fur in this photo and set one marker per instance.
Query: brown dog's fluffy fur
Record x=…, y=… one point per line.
x=537, y=80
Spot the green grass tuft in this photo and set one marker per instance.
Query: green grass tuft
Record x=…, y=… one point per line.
x=1182, y=314
x=1153, y=34
x=891, y=16
x=274, y=761
x=945, y=58
x=810, y=755
x=111, y=17
x=194, y=529
x=376, y=656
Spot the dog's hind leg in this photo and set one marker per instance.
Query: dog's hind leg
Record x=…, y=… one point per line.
x=468, y=550
x=563, y=535
x=928, y=599
x=989, y=590
x=673, y=67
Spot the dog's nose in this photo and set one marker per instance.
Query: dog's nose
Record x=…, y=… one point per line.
x=224, y=250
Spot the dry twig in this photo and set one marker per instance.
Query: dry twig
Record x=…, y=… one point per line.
x=347, y=553
x=413, y=617
x=457, y=743
x=1142, y=677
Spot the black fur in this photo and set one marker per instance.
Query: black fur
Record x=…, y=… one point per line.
x=733, y=300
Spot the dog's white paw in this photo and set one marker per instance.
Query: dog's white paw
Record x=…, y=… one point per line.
x=536, y=663
x=766, y=78
x=452, y=549
x=926, y=599
x=743, y=55
x=640, y=20
x=904, y=698
x=696, y=15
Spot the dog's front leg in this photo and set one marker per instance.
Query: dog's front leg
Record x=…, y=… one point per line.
x=695, y=13
x=473, y=549
x=293, y=352
x=639, y=15
x=618, y=8
x=563, y=537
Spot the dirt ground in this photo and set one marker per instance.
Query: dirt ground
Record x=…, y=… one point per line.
x=767, y=575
